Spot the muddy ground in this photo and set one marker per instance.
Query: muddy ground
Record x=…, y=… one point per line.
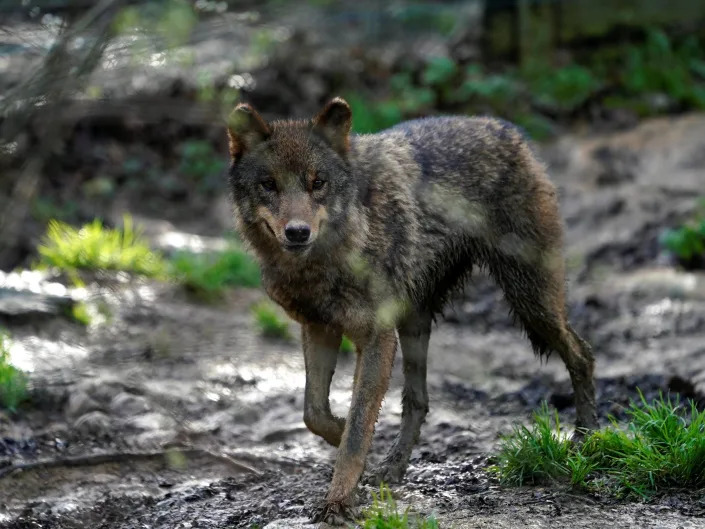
x=201, y=418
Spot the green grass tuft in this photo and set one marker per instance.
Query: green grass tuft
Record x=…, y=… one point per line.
x=80, y=313
x=662, y=447
x=269, y=320
x=13, y=382
x=208, y=275
x=687, y=242
x=537, y=454
x=346, y=346
x=384, y=514
x=96, y=247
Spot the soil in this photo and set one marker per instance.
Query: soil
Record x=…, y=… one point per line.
x=176, y=414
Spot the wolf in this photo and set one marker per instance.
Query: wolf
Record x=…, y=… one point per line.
x=368, y=235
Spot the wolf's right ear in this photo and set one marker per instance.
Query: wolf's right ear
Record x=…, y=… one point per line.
x=246, y=129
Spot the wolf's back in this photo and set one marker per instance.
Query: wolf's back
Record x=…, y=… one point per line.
x=443, y=192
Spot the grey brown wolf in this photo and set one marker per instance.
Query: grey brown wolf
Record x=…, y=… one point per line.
x=367, y=235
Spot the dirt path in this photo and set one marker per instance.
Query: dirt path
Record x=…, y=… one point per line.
x=212, y=413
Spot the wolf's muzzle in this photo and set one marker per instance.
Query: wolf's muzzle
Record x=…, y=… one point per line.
x=297, y=232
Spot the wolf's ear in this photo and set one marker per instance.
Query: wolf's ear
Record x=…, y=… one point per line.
x=246, y=129
x=334, y=123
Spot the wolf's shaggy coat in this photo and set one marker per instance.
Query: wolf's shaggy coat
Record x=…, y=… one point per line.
x=394, y=221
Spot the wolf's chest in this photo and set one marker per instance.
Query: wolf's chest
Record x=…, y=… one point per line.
x=318, y=298
x=303, y=308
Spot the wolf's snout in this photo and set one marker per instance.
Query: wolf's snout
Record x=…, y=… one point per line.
x=297, y=232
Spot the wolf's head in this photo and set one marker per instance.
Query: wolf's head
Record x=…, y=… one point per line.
x=290, y=181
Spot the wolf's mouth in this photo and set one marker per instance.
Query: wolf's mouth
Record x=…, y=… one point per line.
x=296, y=248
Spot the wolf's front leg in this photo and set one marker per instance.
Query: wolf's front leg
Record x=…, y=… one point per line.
x=321, y=346
x=372, y=381
x=414, y=334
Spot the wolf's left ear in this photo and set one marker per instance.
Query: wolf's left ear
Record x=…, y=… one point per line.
x=246, y=129
x=334, y=123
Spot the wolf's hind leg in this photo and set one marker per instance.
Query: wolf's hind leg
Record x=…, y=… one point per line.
x=321, y=355
x=414, y=334
x=536, y=294
x=557, y=334
x=578, y=358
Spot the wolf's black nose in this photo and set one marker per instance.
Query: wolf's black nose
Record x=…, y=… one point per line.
x=297, y=232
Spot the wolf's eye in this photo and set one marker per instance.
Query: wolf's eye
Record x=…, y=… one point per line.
x=269, y=184
x=318, y=184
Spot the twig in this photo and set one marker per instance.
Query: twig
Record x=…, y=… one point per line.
x=121, y=457
x=279, y=461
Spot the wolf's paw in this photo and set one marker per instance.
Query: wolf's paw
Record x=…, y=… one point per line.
x=581, y=432
x=387, y=473
x=335, y=513
x=579, y=435
x=586, y=421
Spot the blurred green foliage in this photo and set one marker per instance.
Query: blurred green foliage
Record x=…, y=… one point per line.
x=426, y=16
x=439, y=71
x=564, y=88
x=270, y=321
x=346, y=346
x=496, y=89
x=660, y=66
x=207, y=275
x=200, y=162
x=13, y=382
x=171, y=21
x=44, y=209
x=80, y=313
x=687, y=242
x=370, y=116
x=93, y=246
x=635, y=77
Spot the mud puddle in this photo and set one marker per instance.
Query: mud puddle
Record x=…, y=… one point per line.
x=174, y=414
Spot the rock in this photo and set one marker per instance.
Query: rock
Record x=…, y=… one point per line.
x=93, y=423
x=103, y=389
x=26, y=296
x=291, y=523
x=127, y=404
x=617, y=166
x=150, y=422
x=283, y=433
x=80, y=403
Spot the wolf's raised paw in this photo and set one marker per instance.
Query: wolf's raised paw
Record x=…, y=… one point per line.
x=335, y=513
